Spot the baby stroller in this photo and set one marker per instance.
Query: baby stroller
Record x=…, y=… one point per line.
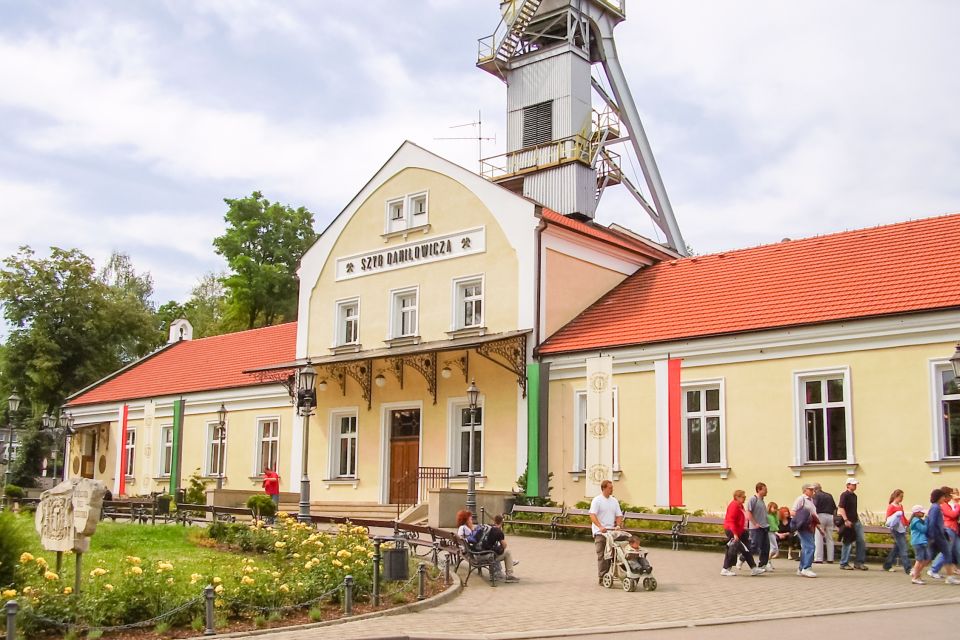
x=628, y=565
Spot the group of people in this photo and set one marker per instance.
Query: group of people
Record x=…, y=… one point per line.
x=754, y=527
x=488, y=538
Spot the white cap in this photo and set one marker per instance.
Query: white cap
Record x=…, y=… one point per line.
x=853, y=481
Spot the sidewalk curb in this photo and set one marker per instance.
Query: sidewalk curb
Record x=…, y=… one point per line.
x=675, y=624
x=446, y=595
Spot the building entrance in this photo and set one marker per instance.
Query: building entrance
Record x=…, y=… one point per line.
x=404, y=455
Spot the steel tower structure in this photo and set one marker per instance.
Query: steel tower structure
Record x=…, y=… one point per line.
x=558, y=147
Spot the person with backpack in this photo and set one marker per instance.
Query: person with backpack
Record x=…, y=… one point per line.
x=897, y=523
x=805, y=523
x=487, y=537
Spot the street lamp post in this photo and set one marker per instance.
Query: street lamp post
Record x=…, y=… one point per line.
x=221, y=434
x=955, y=362
x=473, y=395
x=306, y=400
x=13, y=404
x=59, y=429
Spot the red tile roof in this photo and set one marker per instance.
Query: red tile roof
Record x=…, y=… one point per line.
x=606, y=234
x=197, y=365
x=899, y=268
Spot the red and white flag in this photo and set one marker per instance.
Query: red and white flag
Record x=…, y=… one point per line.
x=669, y=444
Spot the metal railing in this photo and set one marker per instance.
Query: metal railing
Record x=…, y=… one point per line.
x=414, y=490
x=542, y=155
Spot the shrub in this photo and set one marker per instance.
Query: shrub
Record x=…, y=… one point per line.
x=13, y=491
x=262, y=505
x=534, y=501
x=15, y=543
x=196, y=489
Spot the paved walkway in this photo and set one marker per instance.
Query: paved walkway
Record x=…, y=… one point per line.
x=558, y=595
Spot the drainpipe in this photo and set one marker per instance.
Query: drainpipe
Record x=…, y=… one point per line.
x=538, y=233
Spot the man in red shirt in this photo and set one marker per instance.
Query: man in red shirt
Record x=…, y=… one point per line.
x=271, y=485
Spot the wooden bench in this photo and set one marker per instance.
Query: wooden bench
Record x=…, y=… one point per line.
x=562, y=524
x=685, y=533
x=880, y=546
x=133, y=510
x=187, y=513
x=674, y=529
x=478, y=561
x=520, y=514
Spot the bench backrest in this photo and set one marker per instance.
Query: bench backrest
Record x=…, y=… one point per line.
x=704, y=520
x=577, y=512
x=653, y=517
x=523, y=508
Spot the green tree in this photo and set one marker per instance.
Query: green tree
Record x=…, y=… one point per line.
x=263, y=245
x=205, y=309
x=71, y=326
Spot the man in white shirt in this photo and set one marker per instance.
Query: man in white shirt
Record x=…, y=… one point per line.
x=605, y=513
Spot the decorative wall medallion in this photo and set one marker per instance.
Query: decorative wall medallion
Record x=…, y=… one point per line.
x=102, y=465
x=76, y=465
x=598, y=382
x=598, y=473
x=598, y=428
x=146, y=451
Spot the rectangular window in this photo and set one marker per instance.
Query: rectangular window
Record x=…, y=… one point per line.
x=407, y=212
x=461, y=439
x=538, y=124
x=166, y=450
x=948, y=399
x=418, y=209
x=268, y=444
x=348, y=322
x=404, y=323
x=703, y=426
x=129, y=451
x=469, y=303
x=344, y=444
x=216, y=449
x=580, y=434
x=825, y=417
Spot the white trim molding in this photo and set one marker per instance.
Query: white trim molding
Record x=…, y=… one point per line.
x=800, y=377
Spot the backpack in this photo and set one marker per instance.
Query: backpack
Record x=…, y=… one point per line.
x=478, y=538
x=801, y=521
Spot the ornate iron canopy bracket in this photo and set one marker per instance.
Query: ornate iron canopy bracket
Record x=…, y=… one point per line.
x=511, y=354
x=361, y=371
x=462, y=363
x=426, y=364
x=395, y=366
x=286, y=377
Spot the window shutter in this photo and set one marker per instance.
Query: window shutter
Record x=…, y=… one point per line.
x=537, y=124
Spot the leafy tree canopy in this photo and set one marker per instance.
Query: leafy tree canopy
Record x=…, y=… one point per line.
x=205, y=309
x=263, y=245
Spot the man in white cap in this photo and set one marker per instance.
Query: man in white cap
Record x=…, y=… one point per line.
x=847, y=509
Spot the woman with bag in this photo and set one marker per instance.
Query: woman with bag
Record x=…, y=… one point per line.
x=735, y=526
x=897, y=523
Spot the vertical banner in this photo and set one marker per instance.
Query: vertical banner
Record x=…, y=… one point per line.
x=121, y=482
x=669, y=491
x=599, y=437
x=538, y=397
x=177, y=453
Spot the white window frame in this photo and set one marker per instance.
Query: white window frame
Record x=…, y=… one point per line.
x=703, y=414
x=458, y=297
x=130, y=452
x=163, y=448
x=799, y=406
x=580, y=429
x=14, y=447
x=414, y=219
x=212, y=441
x=336, y=415
x=340, y=322
x=455, y=430
x=391, y=223
x=258, y=456
x=396, y=317
x=937, y=397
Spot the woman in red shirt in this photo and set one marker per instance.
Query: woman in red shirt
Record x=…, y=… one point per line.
x=898, y=528
x=735, y=525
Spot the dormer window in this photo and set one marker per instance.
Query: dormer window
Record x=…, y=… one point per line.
x=408, y=212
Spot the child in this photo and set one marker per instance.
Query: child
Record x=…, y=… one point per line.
x=637, y=557
x=774, y=522
x=918, y=538
x=785, y=536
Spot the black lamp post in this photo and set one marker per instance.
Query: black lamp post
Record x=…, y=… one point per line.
x=473, y=394
x=221, y=435
x=955, y=362
x=306, y=400
x=59, y=428
x=13, y=404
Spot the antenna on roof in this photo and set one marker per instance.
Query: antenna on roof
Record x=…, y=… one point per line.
x=479, y=138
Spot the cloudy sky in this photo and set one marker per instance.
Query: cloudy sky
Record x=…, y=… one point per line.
x=124, y=124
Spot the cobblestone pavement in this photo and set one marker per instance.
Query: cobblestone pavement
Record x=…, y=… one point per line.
x=558, y=595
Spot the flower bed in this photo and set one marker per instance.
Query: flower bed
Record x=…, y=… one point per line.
x=287, y=573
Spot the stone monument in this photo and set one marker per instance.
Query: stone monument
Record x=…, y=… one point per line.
x=68, y=514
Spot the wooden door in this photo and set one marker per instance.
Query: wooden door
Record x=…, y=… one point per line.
x=404, y=455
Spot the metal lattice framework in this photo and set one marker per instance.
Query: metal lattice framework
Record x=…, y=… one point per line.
x=285, y=377
x=511, y=354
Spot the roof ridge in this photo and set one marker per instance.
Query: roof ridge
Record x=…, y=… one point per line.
x=237, y=333
x=791, y=241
